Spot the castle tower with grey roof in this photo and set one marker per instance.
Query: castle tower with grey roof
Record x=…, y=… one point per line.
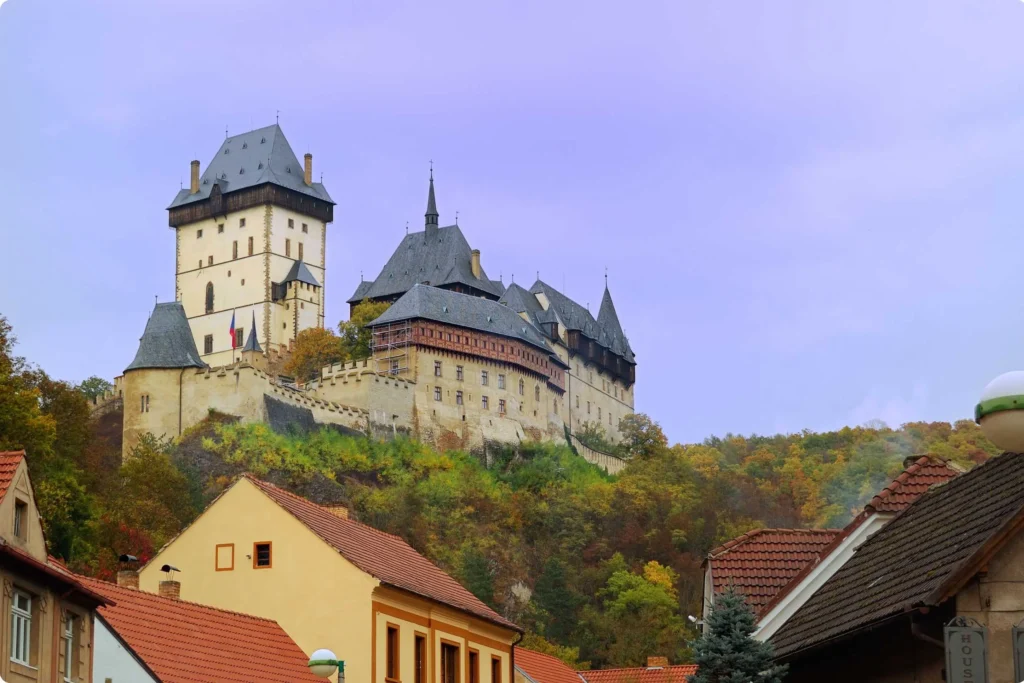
x=250, y=242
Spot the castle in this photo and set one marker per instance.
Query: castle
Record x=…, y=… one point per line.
x=458, y=359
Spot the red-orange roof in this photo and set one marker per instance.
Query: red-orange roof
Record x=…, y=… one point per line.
x=386, y=557
x=760, y=563
x=184, y=642
x=920, y=476
x=640, y=674
x=9, y=461
x=543, y=668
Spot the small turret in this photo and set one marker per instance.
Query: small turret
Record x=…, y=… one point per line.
x=431, y=216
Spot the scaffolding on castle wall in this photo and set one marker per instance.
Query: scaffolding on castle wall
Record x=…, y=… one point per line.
x=390, y=344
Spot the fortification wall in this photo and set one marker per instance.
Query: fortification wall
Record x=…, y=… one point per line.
x=611, y=464
x=388, y=401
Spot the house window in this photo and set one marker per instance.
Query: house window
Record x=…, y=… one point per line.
x=501, y=381
x=239, y=337
x=483, y=377
x=300, y=251
x=241, y=222
x=536, y=393
x=449, y=663
x=421, y=659
x=144, y=403
x=474, y=667
x=262, y=556
x=437, y=368
x=250, y=246
x=70, y=649
x=291, y=223
x=392, y=648
x=458, y=398
x=501, y=406
x=458, y=372
x=209, y=260
x=20, y=519
x=305, y=228
x=288, y=248
x=220, y=227
x=483, y=402
x=495, y=669
x=199, y=234
x=437, y=393
x=21, y=628
x=522, y=387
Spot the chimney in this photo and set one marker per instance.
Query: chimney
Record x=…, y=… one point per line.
x=128, y=578
x=337, y=510
x=170, y=589
x=475, y=263
x=193, y=185
x=308, y=176
x=657, y=662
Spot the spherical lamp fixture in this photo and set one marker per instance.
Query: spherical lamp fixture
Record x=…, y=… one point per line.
x=1000, y=412
x=323, y=663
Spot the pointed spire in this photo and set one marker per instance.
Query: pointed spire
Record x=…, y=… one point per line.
x=252, y=343
x=431, y=215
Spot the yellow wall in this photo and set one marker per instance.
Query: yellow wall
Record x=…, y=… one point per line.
x=165, y=400
x=609, y=400
x=319, y=598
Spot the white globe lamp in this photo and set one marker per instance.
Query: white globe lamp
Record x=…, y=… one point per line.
x=1000, y=412
x=323, y=663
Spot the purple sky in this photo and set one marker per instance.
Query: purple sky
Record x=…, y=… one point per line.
x=810, y=211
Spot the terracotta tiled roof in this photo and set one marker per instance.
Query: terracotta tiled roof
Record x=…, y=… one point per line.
x=920, y=476
x=920, y=558
x=760, y=563
x=544, y=668
x=639, y=674
x=9, y=461
x=183, y=642
x=384, y=556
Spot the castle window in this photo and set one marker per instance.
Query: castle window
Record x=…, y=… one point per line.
x=503, y=348
x=209, y=297
x=556, y=406
x=300, y=251
x=200, y=263
x=209, y=260
x=234, y=249
x=501, y=406
x=394, y=367
x=239, y=337
x=458, y=372
x=501, y=381
x=199, y=234
x=522, y=387
x=241, y=222
x=243, y=281
x=588, y=407
x=220, y=228
x=291, y=223
x=437, y=368
x=536, y=393
x=483, y=377
x=449, y=336
x=458, y=398
x=144, y=403
x=250, y=246
x=437, y=393
x=305, y=228
x=577, y=401
x=483, y=402
x=599, y=412
x=208, y=344
x=288, y=248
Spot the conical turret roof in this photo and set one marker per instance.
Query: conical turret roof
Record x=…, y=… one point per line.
x=167, y=341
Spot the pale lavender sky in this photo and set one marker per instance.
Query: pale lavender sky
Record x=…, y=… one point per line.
x=810, y=211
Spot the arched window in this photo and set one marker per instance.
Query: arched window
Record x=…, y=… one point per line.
x=209, y=297
x=522, y=387
x=536, y=393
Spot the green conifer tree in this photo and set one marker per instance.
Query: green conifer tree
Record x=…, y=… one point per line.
x=726, y=653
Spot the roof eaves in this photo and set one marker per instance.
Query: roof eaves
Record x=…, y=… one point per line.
x=131, y=651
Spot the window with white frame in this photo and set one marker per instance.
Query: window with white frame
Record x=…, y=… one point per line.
x=21, y=627
x=501, y=381
x=69, y=648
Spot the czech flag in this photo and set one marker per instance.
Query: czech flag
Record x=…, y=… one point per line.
x=232, y=329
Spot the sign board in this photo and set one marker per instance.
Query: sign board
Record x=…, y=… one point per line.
x=967, y=652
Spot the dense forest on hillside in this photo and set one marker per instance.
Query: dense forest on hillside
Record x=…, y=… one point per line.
x=601, y=570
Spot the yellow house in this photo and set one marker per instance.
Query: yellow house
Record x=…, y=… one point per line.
x=331, y=582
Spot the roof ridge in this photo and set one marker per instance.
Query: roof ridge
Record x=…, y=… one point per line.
x=748, y=535
x=627, y=668
x=146, y=594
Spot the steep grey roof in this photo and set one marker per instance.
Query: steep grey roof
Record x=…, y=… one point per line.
x=167, y=341
x=431, y=202
x=440, y=258
x=575, y=317
x=472, y=312
x=521, y=301
x=259, y=156
x=301, y=273
x=252, y=343
x=608, y=322
x=361, y=290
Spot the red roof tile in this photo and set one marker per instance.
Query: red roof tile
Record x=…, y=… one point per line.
x=760, y=563
x=9, y=461
x=183, y=642
x=544, y=668
x=639, y=674
x=920, y=476
x=384, y=556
